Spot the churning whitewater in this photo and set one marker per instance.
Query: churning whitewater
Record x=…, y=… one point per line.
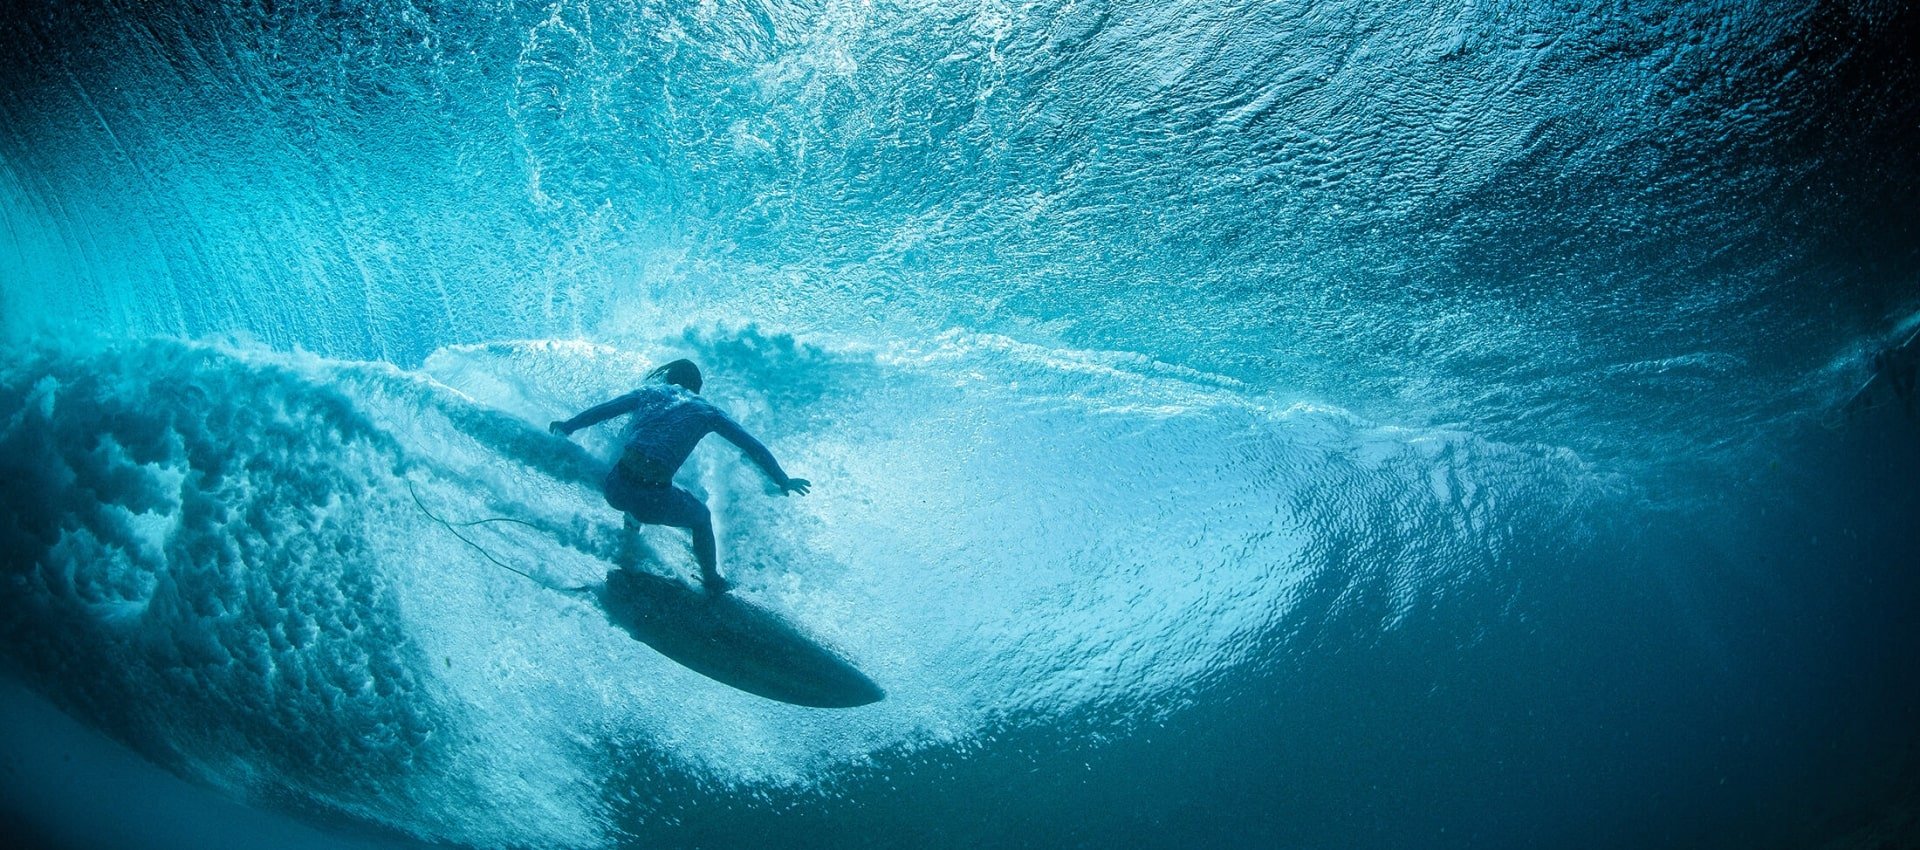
x=236, y=544
x=1280, y=424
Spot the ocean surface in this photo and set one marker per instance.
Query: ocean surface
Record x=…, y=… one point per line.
x=1318, y=424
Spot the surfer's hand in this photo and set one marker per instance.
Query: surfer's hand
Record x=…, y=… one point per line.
x=796, y=485
x=558, y=429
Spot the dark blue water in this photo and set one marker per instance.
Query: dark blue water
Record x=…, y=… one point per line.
x=1301, y=425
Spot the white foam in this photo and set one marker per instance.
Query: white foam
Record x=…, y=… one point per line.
x=996, y=531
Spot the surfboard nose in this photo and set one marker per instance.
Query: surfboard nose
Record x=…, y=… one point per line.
x=854, y=691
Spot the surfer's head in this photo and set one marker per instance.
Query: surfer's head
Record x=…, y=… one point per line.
x=680, y=373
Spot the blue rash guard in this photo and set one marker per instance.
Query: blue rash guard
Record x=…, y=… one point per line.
x=668, y=421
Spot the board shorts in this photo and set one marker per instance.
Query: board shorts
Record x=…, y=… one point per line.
x=654, y=503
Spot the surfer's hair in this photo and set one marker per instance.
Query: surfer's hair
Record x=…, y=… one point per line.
x=680, y=372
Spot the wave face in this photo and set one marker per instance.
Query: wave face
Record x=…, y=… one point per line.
x=1308, y=424
x=1530, y=217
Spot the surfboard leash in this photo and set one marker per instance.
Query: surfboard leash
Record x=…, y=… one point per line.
x=454, y=529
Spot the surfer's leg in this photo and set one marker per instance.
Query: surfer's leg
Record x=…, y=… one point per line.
x=681, y=509
x=703, y=545
x=703, y=550
x=672, y=506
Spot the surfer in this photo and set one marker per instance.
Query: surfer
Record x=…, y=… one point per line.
x=669, y=418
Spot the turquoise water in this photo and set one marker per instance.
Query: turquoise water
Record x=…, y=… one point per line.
x=1308, y=425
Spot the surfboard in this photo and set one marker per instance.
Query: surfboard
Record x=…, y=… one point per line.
x=733, y=641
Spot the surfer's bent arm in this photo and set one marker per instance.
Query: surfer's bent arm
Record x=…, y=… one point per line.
x=756, y=450
x=597, y=414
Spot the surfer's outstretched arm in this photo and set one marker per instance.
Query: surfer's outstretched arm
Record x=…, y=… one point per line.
x=596, y=414
x=761, y=457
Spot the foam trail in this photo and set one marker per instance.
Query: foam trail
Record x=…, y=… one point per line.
x=239, y=534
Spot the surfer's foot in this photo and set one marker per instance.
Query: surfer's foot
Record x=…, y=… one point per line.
x=715, y=583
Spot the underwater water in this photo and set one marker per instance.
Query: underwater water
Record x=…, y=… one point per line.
x=1275, y=424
